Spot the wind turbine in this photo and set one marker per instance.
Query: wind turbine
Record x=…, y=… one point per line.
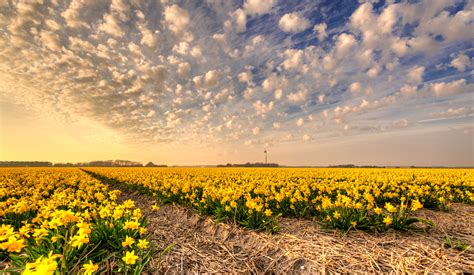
x=265, y=155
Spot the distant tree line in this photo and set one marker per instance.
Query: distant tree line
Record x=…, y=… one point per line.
x=100, y=163
x=248, y=164
x=354, y=166
x=26, y=163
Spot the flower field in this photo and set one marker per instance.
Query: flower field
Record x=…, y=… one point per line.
x=61, y=220
x=373, y=199
x=69, y=220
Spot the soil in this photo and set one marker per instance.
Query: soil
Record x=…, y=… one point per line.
x=200, y=244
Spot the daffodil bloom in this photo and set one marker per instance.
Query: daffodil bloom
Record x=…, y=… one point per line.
x=155, y=207
x=143, y=244
x=388, y=220
x=268, y=212
x=390, y=208
x=378, y=210
x=128, y=241
x=415, y=205
x=89, y=268
x=130, y=258
x=42, y=265
x=131, y=225
x=336, y=215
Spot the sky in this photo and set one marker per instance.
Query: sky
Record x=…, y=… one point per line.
x=218, y=81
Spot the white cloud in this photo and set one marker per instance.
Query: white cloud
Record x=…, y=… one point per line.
x=258, y=7
x=320, y=30
x=294, y=59
x=415, y=74
x=278, y=94
x=408, y=90
x=246, y=77
x=72, y=15
x=51, y=41
x=454, y=112
x=293, y=22
x=211, y=79
x=274, y=82
x=355, y=88
x=262, y=108
x=111, y=25
x=344, y=44
x=374, y=71
x=184, y=70
x=461, y=62
x=240, y=18
x=298, y=96
x=300, y=122
x=177, y=18
x=450, y=88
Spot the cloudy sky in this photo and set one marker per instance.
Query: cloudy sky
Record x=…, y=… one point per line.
x=217, y=81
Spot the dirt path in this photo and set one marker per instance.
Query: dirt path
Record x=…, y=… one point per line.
x=201, y=245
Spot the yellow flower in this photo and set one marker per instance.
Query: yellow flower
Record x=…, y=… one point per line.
x=354, y=223
x=128, y=204
x=387, y=220
x=79, y=240
x=131, y=225
x=155, y=207
x=128, y=241
x=390, y=208
x=143, y=244
x=336, y=215
x=15, y=245
x=42, y=266
x=415, y=205
x=378, y=210
x=90, y=268
x=130, y=258
x=268, y=212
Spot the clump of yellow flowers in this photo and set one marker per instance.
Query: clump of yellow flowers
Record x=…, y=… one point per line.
x=63, y=220
x=341, y=198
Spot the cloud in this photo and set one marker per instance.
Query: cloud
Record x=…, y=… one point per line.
x=450, y=88
x=258, y=7
x=294, y=59
x=211, y=72
x=112, y=26
x=320, y=30
x=240, y=18
x=293, y=22
x=415, y=74
x=454, y=112
x=461, y=62
x=298, y=96
x=344, y=43
x=300, y=122
x=51, y=41
x=176, y=18
x=211, y=78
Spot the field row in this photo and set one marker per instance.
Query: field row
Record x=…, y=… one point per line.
x=374, y=199
x=62, y=220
